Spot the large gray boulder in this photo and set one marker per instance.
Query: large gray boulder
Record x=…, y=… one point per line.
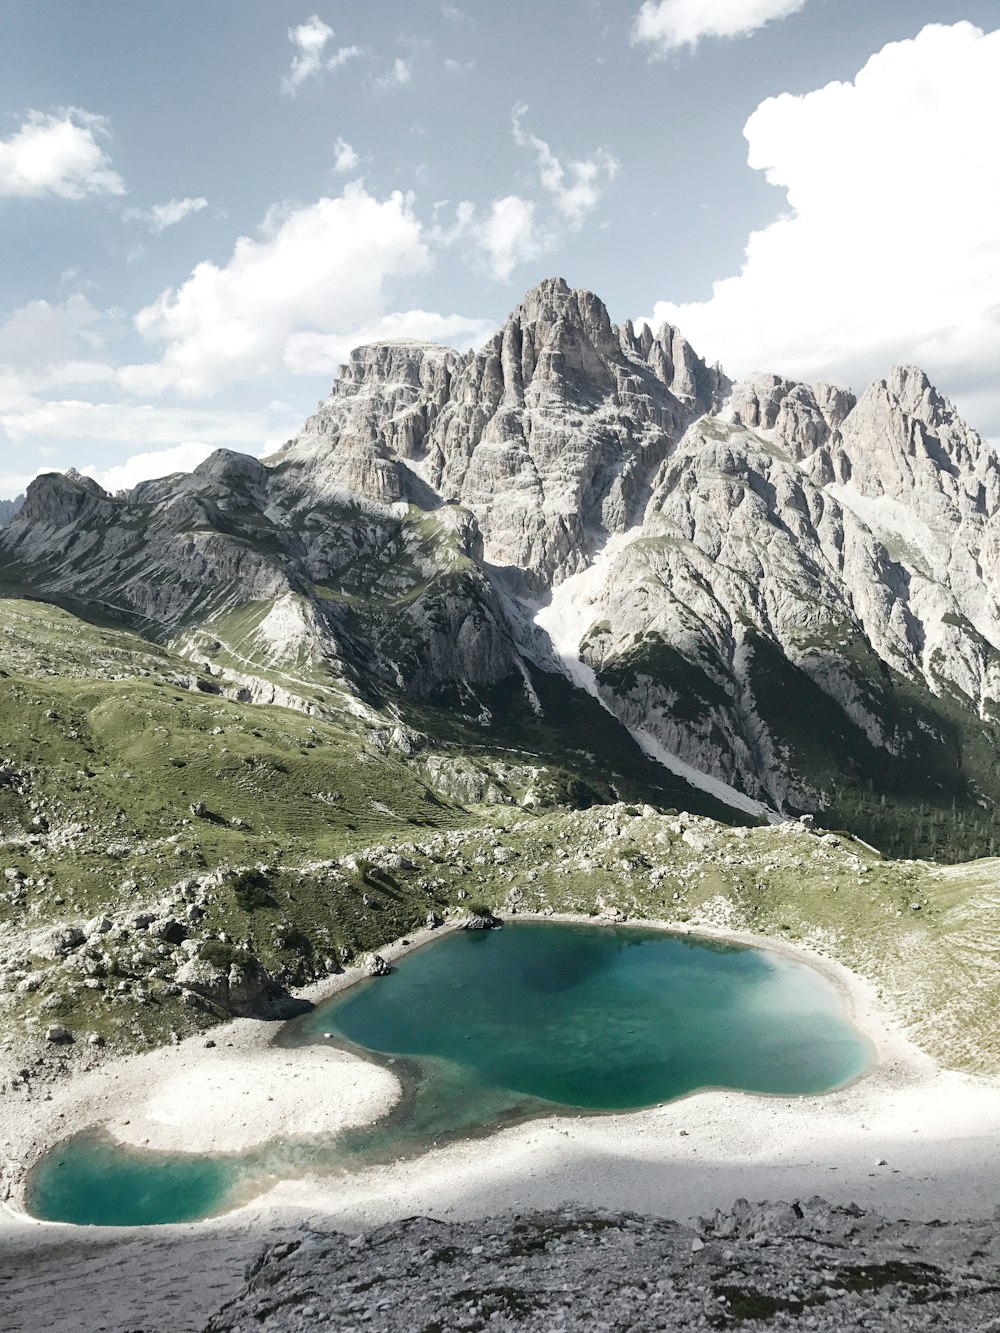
x=243, y=988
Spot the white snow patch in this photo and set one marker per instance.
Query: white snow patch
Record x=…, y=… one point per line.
x=570, y=613
x=703, y=781
x=565, y=621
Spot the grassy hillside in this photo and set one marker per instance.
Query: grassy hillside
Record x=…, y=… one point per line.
x=259, y=832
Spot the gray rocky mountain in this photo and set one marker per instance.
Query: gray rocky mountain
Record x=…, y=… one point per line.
x=790, y=598
x=8, y=509
x=548, y=435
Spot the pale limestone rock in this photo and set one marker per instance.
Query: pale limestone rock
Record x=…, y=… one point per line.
x=547, y=434
x=768, y=526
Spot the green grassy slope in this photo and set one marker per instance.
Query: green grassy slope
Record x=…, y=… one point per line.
x=355, y=837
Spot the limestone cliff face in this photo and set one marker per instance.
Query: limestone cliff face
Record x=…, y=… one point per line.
x=378, y=418
x=717, y=559
x=928, y=486
x=850, y=537
x=739, y=551
x=548, y=434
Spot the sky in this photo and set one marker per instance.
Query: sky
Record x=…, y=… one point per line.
x=203, y=207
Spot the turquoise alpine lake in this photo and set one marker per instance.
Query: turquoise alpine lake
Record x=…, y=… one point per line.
x=488, y=1027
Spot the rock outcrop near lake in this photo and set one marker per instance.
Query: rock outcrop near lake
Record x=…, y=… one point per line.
x=763, y=1266
x=758, y=1266
x=789, y=596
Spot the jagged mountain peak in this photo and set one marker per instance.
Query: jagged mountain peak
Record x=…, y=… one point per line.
x=550, y=433
x=88, y=483
x=9, y=509
x=909, y=389
x=905, y=374
x=728, y=537
x=553, y=300
x=907, y=441
x=802, y=417
x=390, y=360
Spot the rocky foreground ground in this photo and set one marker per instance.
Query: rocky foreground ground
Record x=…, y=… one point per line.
x=773, y=1266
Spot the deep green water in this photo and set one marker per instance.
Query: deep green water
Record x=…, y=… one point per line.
x=487, y=1027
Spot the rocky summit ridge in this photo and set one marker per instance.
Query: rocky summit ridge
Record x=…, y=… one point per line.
x=788, y=596
x=8, y=508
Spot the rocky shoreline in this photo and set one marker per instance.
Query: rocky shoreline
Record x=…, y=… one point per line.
x=762, y=1265
x=802, y=1265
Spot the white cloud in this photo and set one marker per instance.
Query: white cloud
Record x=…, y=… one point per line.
x=13, y=484
x=161, y=216
x=323, y=353
x=888, y=250
x=345, y=158
x=459, y=66
x=508, y=235
x=398, y=76
x=49, y=348
x=499, y=239
x=41, y=333
x=455, y=15
x=309, y=41
x=20, y=388
x=62, y=375
x=510, y=231
x=132, y=424
x=666, y=25
x=324, y=267
x=342, y=55
x=160, y=440
x=57, y=154
x=576, y=188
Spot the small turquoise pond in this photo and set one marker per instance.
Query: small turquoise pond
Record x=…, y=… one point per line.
x=487, y=1027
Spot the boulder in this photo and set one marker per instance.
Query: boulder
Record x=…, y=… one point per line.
x=169, y=930
x=244, y=988
x=61, y=941
x=480, y=920
x=376, y=965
